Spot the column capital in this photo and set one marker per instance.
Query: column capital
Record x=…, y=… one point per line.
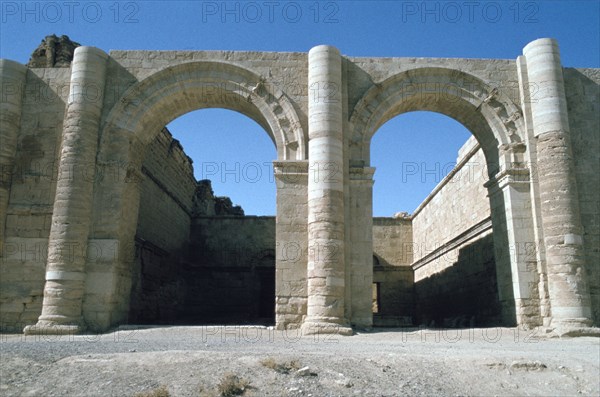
x=511, y=177
x=285, y=167
x=361, y=174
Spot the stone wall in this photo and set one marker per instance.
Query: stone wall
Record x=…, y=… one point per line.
x=583, y=101
x=158, y=286
x=32, y=185
x=393, y=241
x=392, y=256
x=456, y=204
x=166, y=206
x=230, y=271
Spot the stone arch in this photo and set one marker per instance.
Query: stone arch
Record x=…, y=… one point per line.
x=483, y=109
x=136, y=119
x=497, y=124
x=152, y=103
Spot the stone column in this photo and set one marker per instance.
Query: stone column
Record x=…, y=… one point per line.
x=12, y=84
x=534, y=191
x=71, y=217
x=326, y=273
x=561, y=222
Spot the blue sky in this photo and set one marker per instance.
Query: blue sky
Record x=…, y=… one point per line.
x=219, y=140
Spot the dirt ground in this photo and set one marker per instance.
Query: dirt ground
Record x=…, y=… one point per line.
x=193, y=361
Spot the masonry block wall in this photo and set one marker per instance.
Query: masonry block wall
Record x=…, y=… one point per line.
x=292, y=243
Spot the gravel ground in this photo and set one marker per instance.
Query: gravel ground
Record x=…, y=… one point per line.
x=191, y=361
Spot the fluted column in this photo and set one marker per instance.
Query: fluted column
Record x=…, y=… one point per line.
x=71, y=217
x=326, y=274
x=12, y=84
x=561, y=220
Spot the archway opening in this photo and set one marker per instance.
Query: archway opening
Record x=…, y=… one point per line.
x=205, y=238
x=412, y=154
x=432, y=224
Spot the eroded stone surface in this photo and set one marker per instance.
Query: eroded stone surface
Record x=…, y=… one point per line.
x=53, y=52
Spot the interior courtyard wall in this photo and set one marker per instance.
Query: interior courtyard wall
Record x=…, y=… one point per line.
x=166, y=207
x=458, y=203
x=454, y=266
x=229, y=273
x=392, y=271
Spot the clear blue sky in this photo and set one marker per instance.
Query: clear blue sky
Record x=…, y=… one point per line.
x=470, y=29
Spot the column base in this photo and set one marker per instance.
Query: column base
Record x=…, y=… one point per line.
x=318, y=328
x=574, y=327
x=53, y=328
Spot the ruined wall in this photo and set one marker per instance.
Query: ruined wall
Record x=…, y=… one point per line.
x=451, y=228
x=167, y=194
x=32, y=183
x=583, y=101
x=230, y=272
x=392, y=257
x=455, y=274
x=166, y=205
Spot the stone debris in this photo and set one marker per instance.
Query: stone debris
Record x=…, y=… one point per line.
x=528, y=365
x=305, y=371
